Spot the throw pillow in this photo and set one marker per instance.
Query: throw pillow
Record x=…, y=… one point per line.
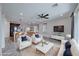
x=67, y=45
x=37, y=35
x=67, y=52
x=24, y=38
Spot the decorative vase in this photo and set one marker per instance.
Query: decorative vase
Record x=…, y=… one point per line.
x=44, y=42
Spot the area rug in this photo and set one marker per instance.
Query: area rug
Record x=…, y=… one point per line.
x=11, y=49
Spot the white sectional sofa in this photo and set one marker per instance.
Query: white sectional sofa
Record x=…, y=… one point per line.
x=74, y=48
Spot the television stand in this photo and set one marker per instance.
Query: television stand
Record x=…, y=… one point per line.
x=57, y=37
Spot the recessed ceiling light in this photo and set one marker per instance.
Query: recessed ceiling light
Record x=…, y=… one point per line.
x=61, y=15
x=21, y=14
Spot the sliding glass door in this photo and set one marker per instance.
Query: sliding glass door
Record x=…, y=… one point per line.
x=76, y=26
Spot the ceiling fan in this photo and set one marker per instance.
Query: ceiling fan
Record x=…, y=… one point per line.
x=44, y=16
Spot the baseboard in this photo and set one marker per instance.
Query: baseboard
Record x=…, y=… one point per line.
x=0, y=52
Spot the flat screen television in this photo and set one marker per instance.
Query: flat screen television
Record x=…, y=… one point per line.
x=59, y=28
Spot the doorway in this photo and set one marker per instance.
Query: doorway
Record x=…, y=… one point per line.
x=12, y=25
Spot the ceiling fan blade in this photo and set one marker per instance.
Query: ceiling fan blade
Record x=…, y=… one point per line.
x=41, y=14
x=46, y=15
x=38, y=15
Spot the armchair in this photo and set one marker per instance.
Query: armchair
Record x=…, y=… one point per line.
x=35, y=39
x=23, y=44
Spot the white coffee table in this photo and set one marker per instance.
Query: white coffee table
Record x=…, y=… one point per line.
x=45, y=48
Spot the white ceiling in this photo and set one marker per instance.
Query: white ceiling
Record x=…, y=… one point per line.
x=31, y=10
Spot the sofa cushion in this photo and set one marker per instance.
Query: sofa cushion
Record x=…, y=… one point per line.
x=24, y=38
x=74, y=48
x=67, y=45
x=67, y=52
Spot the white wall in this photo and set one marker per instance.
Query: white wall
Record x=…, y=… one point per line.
x=2, y=37
x=24, y=26
x=65, y=21
x=0, y=33
x=6, y=27
x=3, y=32
x=0, y=25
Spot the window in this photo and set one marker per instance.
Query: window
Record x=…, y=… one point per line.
x=76, y=26
x=44, y=27
x=35, y=28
